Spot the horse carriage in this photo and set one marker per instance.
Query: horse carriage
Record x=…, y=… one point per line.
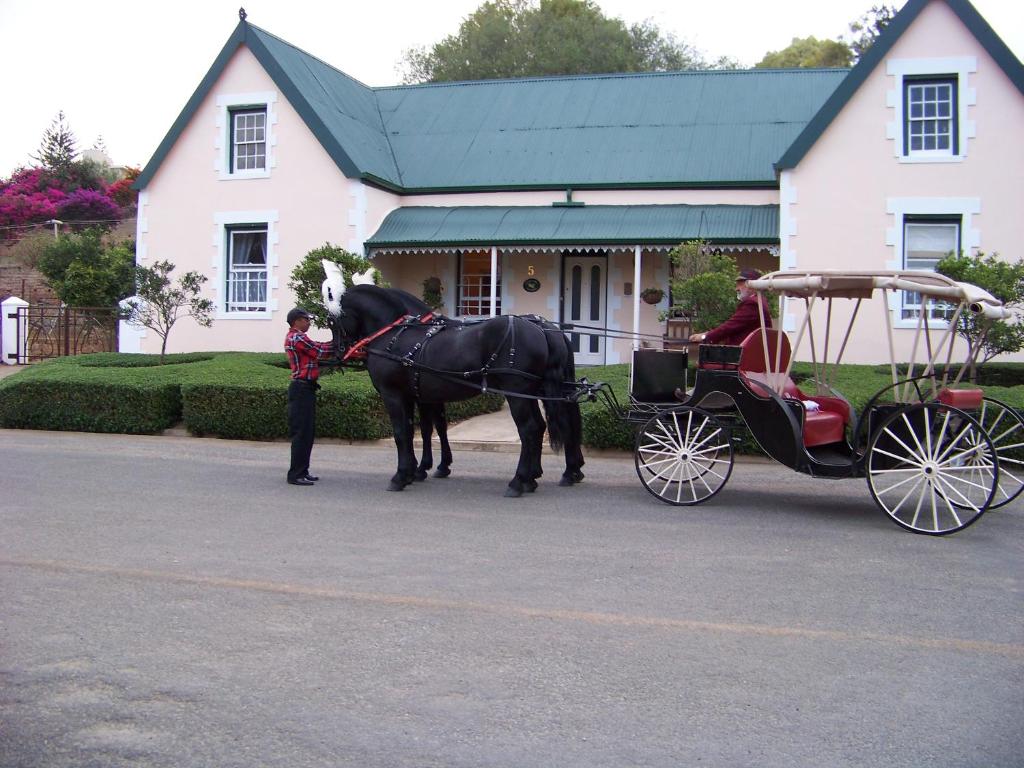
x=936, y=455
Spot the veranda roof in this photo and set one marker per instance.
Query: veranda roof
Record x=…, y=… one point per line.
x=482, y=226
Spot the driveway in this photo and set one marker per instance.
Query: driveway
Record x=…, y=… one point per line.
x=170, y=601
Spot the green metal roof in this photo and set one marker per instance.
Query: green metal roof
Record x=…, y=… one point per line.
x=426, y=226
x=971, y=19
x=721, y=128
x=670, y=129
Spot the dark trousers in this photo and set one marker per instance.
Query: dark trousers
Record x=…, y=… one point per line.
x=301, y=424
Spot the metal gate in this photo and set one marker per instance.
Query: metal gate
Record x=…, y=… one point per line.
x=47, y=331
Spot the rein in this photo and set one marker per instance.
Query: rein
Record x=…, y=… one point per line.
x=358, y=351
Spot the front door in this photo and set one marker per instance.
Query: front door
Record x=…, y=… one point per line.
x=584, y=295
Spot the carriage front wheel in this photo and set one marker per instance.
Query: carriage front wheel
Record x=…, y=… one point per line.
x=683, y=456
x=932, y=468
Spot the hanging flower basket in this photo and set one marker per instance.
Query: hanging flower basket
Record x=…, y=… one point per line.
x=652, y=295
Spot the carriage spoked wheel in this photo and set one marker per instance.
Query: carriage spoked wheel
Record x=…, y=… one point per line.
x=932, y=468
x=683, y=456
x=1005, y=427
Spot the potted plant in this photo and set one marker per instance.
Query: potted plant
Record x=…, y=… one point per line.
x=432, y=293
x=652, y=295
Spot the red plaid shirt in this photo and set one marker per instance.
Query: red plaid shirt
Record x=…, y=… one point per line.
x=304, y=354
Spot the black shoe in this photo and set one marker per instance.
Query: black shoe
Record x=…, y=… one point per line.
x=301, y=481
x=308, y=476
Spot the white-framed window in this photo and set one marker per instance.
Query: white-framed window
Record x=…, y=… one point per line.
x=931, y=100
x=926, y=241
x=930, y=116
x=248, y=139
x=474, y=297
x=246, y=135
x=246, y=274
x=925, y=230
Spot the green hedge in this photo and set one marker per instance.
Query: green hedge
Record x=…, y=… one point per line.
x=242, y=395
x=231, y=394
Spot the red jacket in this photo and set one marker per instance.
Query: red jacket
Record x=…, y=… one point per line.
x=744, y=320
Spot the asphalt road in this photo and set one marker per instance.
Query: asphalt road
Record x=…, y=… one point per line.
x=170, y=601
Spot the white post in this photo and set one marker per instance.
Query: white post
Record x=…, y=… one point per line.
x=14, y=350
x=636, y=296
x=494, y=280
x=129, y=335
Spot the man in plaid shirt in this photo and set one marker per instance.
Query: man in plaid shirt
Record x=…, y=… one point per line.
x=304, y=357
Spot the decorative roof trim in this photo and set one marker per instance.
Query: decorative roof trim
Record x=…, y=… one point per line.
x=971, y=19
x=731, y=247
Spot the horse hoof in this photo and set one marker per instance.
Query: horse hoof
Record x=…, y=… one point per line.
x=512, y=493
x=420, y=476
x=531, y=486
x=442, y=472
x=565, y=481
x=393, y=486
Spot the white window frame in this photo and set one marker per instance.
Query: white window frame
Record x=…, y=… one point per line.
x=227, y=105
x=224, y=223
x=937, y=312
x=902, y=70
x=240, y=128
x=903, y=209
x=247, y=274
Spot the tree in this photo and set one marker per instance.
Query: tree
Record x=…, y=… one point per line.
x=808, y=52
x=703, y=284
x=158, y=303
x=520, y=38
x=58, y=149
x=1005, y=281
x=865, y=30
x=308, y=277
x=86, y=272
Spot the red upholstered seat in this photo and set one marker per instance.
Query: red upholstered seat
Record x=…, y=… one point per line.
x=966, y=399
x=820, y=427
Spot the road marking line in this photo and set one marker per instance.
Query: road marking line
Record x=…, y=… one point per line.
x=1010, y=650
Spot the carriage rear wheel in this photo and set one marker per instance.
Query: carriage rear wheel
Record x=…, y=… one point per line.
x=683, y=456
x=1006, y=429
x=932, y=468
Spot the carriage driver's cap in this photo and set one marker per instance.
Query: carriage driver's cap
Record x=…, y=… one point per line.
x=296, y=313
x=748, y=274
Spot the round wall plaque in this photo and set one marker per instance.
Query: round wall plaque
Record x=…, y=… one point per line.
x=531, y=285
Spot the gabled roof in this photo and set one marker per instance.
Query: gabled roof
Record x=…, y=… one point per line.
x=412, y=226
x=971, y=19
x=676, y=129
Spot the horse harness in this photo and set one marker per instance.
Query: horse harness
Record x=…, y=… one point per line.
x=361, y=350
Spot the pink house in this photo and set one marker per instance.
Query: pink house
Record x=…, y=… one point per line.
x=562, y=196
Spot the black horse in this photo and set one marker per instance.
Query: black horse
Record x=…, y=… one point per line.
x=449, y=361
x=433, y=416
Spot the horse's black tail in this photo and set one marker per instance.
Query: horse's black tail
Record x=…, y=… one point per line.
x=565, y=425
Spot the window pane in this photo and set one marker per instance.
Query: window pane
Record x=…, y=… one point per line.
x=930, y=117
x=925, y=244
x=247, y=271
x=475, y=284
x=249, y=140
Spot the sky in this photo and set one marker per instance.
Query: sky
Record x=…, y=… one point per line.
x=122, y=70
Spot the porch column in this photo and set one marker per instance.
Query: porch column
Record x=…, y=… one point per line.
x=636, y=296
x=494, y=280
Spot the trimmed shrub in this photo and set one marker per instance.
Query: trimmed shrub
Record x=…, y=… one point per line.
x=66, y=404
x=227, y=394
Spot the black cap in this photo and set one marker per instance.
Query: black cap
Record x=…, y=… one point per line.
x=748, y=274
x=296, y=313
